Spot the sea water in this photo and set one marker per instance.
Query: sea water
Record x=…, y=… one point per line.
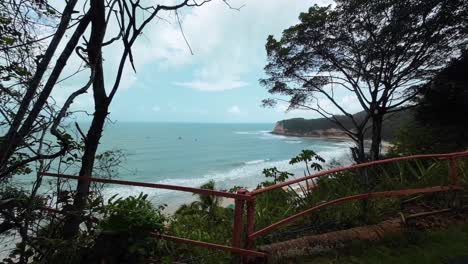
x=190, y=154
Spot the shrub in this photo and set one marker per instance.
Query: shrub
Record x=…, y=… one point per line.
x=125, y=230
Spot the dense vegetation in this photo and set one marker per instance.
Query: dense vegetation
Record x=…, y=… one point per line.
x=58, y=221
x=390, y=126
x=429, y=247
x=375, y=52
x=439, y=121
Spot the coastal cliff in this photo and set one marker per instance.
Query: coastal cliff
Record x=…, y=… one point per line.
x=321, y=127
x=280, y=129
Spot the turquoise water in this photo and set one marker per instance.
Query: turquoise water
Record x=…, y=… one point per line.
x=191, y=154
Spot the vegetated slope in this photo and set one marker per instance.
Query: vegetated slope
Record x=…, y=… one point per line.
x=324, y=127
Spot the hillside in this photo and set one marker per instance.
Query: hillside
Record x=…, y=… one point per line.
x=321, y=127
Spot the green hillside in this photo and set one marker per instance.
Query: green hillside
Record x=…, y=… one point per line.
x=302, y=126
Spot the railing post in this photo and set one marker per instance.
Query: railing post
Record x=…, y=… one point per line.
x=250, y=221
x=454, y=179
x=453, y=171
x=250, y=225
x=238, y=220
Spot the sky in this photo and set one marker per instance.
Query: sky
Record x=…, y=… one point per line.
x=218, y=83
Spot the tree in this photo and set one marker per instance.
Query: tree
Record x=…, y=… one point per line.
x=374, y=51
x=89, y=26
x=20, y=50
x=205, y=203
x=439, y=123
x=130, y=28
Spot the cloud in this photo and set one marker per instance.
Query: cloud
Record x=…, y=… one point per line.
x=234, y=110
x=212, y=86
x=228, y=48
x=227, y=44
x=351, y=104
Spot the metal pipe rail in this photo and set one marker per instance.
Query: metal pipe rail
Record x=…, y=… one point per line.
x=351, y=198
x=237, y=250
x=358, y=166
x=152, y=185
x=240, y=197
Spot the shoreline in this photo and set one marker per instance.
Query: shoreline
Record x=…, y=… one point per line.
x=385, y=145
x=226, y=202
x=341, y=138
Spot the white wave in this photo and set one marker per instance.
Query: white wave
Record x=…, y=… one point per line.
x=257, y=132
x=272, y=136
x=255, y=161
x=248, y=175
x=339, y=153
x=293, y=141
x=243, y=133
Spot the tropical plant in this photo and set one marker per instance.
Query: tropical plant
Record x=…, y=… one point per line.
x=128, y=230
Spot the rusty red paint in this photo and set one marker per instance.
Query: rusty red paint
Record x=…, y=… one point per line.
x=250, y=222
x=238, y=250
x=250, y=228
x=357, y=166
x=453, y=171
x=354, y=197
x=238, y=219
x=152, y=185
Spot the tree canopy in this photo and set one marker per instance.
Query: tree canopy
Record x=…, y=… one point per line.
x=374, y=51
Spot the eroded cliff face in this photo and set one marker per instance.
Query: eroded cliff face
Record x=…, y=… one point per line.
x=280, y=129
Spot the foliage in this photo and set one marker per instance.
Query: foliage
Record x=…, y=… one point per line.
x=203, y=220
x=278, y=204
x=438, y=126
x=278, y=176
x=413, y=138
x=131, y=215
x=310, y=158
x=306, y=127
x=126, y=228
x=430, y=247
x=374, y=51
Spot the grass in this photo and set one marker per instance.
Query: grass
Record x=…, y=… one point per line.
x=428, y=247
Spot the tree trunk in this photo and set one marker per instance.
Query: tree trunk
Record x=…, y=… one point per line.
x=82, y=190
x=377, y=121
x=358, y=152
x=101, y=105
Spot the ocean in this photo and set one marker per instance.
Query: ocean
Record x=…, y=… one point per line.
x=191, y=154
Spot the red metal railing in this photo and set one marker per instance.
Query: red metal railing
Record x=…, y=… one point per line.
x=453, y=179
x=239, y=197
x=245, y=198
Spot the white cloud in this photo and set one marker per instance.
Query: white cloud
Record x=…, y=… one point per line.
x=212, y=86
x=351, y=104
x=234, y=110
x=227, y=44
